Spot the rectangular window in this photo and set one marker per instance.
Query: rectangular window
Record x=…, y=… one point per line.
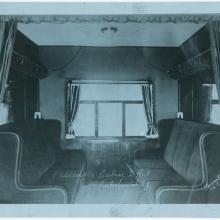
x=110, y=110
x=110, y=92
x=135, y=120
x=110, y=119
x=84, y=123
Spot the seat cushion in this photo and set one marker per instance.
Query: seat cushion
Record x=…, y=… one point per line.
x=146, y=163
x=154, y=171
x=147, y=170
x=67, y=174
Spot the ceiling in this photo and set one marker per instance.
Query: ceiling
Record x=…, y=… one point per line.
x=155, y=7
x=123, y=34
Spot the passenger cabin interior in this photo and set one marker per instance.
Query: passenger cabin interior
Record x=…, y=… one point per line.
x=109, y=109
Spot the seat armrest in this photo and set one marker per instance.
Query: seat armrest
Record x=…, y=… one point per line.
x=181, y=194
x=41, y=195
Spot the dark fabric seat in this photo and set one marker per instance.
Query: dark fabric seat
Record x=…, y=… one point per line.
x=42, y=156
x=11, y=191
x=153, y=164
x=181, y=175
x=152, y=174
x=67, y=173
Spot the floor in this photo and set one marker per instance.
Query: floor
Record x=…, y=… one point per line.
x=116, y=175
x=111, y=194
x=115, y=186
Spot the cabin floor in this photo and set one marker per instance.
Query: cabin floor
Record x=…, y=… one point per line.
x=114, y=185
x=111, y=194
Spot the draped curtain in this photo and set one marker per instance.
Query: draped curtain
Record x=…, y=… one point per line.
x=147, y=91
x=7, y=38
x=59, y=19
x=214, y=31
x=202, y=101
x=72, y=105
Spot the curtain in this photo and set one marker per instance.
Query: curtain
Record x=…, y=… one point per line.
x=147, y=91
x=7, y=38
x=72, y=105
x=59, y=19
x=202, y=101
x=214, y=31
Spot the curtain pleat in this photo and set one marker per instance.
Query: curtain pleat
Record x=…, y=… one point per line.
x=60, y=19
x=6, y=44
x=214, y=31
x=147, y=91
x=72, y=105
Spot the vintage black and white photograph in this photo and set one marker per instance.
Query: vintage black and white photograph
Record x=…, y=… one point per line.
x=109, y=104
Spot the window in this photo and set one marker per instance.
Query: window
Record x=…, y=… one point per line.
x=110, y=119
x=4, y=113
x=135, y=126
x=215, y=106
x=110, y=110
x=84, y=123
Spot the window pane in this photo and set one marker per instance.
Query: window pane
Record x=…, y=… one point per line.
x=110, y=119
x=215, y=114
x=84, y=123
x=3, y=113
x=135, y=120
x=214, y=92
x=110, y=92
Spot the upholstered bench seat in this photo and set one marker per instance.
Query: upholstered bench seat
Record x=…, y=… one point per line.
x=68, y=176
x=182, y=174
x=152, y=173
x=43, y=163
x=67, y=172
x=10, y=189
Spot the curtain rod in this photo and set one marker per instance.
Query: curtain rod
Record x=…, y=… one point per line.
x=110, y=82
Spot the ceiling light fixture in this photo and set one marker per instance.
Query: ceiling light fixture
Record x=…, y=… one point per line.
x=109, y=29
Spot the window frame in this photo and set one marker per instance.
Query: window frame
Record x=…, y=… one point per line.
x=124, y=102
x=96, y=102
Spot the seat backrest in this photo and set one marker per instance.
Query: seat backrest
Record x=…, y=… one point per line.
x=183, y=149
x=164, y=128
x=9, y=149
x=39, y=140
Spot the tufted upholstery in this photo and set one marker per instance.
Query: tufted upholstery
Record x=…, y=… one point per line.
x=182, y=152
x=183, y=163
